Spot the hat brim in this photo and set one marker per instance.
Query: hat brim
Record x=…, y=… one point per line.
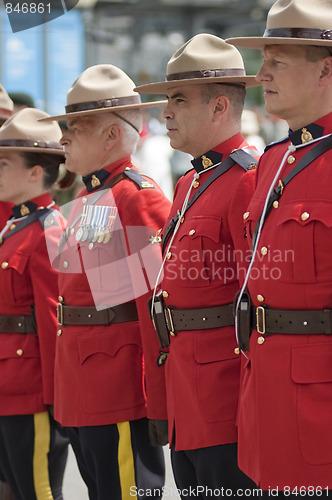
x=13, y=149
x=162, y=87
x=260, y=42
x=87, y=112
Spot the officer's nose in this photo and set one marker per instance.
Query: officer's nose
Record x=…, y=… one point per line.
x=64, y=140
x=167, y=113
x=263, y=75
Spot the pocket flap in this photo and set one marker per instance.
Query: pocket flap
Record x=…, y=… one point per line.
x=201, y=226
x=215, y=345
x=305, y=212
x=107, y=343
x=312, y=363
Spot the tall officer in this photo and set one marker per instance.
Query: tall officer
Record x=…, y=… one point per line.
x=33, y=451
x=205, y=87
x=285, y=414
x=107, y=378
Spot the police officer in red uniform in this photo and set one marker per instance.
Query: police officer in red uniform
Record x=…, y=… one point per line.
x=6, y=110
x=33, y=451
x=204, y=256
x=109, y=390
x=285, y=441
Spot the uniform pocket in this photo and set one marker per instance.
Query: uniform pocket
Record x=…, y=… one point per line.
x=20, y=365
x=15, y=280
x=312, y=374
x=111, y=370
x=217, y=374
x=198, y=243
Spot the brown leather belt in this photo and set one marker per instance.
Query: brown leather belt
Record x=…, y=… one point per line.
x=71, y=315
x=198, y=319
x=269, y=321
x=17, y=324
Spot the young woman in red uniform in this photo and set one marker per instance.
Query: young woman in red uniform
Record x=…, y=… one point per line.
x=33, y=451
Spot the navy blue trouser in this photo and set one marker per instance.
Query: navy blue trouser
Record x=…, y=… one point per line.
x=117, y=462
x=33, y=456
x=209, y=472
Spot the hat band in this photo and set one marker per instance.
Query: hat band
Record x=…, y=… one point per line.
x=207, y=73
x=24, y=143
x=314, y=34
x=105, y=103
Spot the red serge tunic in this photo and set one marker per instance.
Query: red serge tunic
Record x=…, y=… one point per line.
x=202, y=270
x=27, y=279
x=99, y=372
x=5, y=212
x=285, y=415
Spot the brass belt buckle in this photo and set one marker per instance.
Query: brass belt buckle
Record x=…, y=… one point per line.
x=260, y=320
x=169, y=321
x=59, y=311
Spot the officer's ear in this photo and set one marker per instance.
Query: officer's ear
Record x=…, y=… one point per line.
x=36, y=173
x=326, y=71
x=113, y=133
x=221, y=106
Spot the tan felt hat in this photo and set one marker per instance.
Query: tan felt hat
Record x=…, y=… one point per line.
x=204, y=58
x=294, y=22
x=6, y=104
x=102, y=88
x=24, y=132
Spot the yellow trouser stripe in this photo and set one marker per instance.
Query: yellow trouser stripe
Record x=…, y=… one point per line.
x=40, y=460
x=126, y=461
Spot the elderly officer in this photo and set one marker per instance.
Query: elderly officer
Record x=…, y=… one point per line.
x=107, y=376
x=285, y=440
x=205, y=87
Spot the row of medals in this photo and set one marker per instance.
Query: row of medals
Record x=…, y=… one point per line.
x=95, y=225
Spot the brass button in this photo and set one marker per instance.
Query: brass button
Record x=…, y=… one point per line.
x=263, y=250
x=165, y=294
x=91, y=245
x=60, y=298
x=172, y=333
x=4, y=265
x=260, y=298
x=12, y=226
x=182, y=220
x=305, y=216
x=168, y=256
x=246, y=215
x=191, y=232
x=237, y=350
x=65, y=264
x=290, y=159
x=59, y=333
x=196, y=184
x=276, y=204
x=260, y=340
x=72, y=231
x=19, y=352
x=84, y=200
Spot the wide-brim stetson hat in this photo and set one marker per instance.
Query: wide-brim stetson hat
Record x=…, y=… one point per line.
x=294, y=22
x=23, y=132
x=204, y=58
x=6, y=104
x=102, y=88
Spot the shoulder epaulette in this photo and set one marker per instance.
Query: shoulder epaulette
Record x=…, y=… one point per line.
x=138, y=179
x=244, y=159
x=274, y=143
x=48, y=217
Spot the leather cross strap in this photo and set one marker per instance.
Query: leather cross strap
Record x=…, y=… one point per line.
x=269, y=321
x=71, y=315
x=312, y=155
x=239, y=156
x=198, y=319
x=17, y=324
